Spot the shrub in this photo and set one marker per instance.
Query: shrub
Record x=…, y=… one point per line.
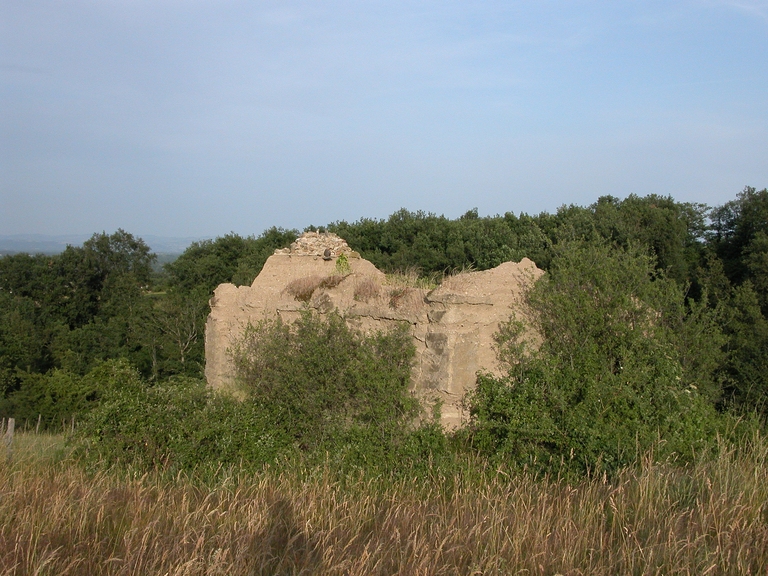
x=366, y=289
x=303, y=288
x=177, y=425
x=314, y=391
x=61, y=396
x=327, y=386
x=611, y=378
x=342, y=265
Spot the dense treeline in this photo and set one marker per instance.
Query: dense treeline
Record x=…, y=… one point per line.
x=63, y=316
x=654, y=313
x=674, y=232
x=716, y=256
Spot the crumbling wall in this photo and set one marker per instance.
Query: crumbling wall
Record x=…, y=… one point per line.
x=452, y=325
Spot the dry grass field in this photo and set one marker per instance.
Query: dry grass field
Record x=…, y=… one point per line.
x=57, y=518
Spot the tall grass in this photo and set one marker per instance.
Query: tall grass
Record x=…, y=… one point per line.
x=709, y=518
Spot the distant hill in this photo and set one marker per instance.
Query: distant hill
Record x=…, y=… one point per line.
x=45, y=244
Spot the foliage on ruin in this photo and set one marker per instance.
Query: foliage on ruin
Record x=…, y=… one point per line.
x=625, y=363
x=654, y=319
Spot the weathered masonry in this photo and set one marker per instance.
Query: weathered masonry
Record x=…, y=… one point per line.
x=452, y=325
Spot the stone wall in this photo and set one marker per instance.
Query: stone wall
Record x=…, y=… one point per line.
x=452, y=325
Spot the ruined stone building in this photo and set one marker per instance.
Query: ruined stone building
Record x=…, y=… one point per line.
x=452, y=325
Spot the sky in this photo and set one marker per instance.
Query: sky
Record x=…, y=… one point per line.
x=204, y=117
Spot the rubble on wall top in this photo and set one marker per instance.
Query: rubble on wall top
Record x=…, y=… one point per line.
x=315, y=244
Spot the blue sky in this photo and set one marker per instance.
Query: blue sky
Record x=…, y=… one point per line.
x=196, y=118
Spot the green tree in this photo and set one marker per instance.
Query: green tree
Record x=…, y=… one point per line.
x=435, y=245
x=169, y=333
x=107, y=273
x=613, y=375
x=746, y=369
x=736, y=274
x=231, y=258
x=740, y=238
x=673, y=232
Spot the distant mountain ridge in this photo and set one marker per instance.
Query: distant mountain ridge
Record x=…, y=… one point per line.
x=50, y=244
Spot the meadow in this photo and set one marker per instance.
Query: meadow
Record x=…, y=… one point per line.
x=59, y=517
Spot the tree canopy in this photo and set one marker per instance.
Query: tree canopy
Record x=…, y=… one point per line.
x=63, y=316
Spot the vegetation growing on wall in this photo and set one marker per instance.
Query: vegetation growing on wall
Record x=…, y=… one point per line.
x=653, y=314
x=624, y=365
x=311, y=391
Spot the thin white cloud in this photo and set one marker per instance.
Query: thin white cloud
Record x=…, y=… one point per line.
x=758, y=8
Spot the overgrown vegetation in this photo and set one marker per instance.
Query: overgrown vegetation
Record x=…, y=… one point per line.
x=330, y=390
x=653, y=318
x=625, y=364
x=626, y=437
x=310, y=391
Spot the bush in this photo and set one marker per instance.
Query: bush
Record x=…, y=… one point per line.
x=611, y=378
x=342, y=265
x=176, y=425
x=61, y=396
x=314, y=392
x=327, y=386
x=366, y=289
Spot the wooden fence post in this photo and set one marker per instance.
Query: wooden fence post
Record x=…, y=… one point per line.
x=8, y=439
